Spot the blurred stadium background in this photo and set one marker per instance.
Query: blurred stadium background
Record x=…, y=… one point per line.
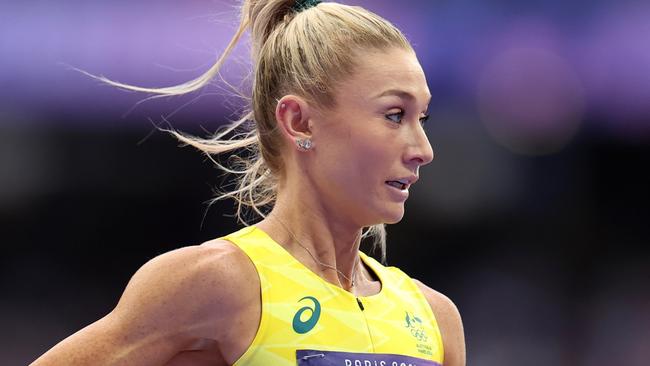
x=533, y=218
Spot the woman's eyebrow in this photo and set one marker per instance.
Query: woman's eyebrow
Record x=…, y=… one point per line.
x=401, y=93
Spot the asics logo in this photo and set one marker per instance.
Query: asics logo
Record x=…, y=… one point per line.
x=303, y=326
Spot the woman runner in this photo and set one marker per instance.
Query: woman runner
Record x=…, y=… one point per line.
x=333, y=141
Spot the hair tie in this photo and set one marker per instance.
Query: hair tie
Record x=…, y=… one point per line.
x=300, y=5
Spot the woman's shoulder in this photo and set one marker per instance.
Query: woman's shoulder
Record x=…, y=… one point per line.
x=449, y=322
x=217, y=256
x=213, y=267
x=441, y=305
x=438, y=301
x=217, y=277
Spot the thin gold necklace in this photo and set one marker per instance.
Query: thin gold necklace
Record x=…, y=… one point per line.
x=351, y=281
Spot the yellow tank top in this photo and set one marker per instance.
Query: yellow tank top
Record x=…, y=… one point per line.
x=306, y=320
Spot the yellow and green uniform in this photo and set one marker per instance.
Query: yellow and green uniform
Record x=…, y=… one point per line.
x=306, y=320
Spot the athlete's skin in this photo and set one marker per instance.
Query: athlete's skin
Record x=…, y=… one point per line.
x=200, y=305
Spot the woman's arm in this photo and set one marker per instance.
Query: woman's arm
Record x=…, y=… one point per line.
x=450, y=323
x=175, y=302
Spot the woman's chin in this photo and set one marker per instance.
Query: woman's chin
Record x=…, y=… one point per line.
x=386, y=214
x=394, y=216
x=391, y=222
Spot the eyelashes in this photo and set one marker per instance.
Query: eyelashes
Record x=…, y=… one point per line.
x=400, y=115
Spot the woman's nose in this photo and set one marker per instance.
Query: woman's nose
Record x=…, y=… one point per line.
x=420, y=149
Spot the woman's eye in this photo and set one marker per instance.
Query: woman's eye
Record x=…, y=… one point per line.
x=395, y=117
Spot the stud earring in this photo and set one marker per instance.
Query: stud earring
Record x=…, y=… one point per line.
x=283, y=106
x=304, y=145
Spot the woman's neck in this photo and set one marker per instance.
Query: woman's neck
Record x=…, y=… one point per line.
x=315, y=237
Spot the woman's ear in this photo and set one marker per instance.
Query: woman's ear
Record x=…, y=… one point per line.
x=292, y=114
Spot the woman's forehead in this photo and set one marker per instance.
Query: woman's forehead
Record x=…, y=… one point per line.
x=394, y=72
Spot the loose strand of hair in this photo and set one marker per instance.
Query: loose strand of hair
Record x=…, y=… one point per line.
x=186, y=87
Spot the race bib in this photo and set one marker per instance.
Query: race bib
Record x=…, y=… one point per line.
x=329, y=358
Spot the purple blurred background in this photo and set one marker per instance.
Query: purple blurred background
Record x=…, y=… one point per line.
x=533, y=218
